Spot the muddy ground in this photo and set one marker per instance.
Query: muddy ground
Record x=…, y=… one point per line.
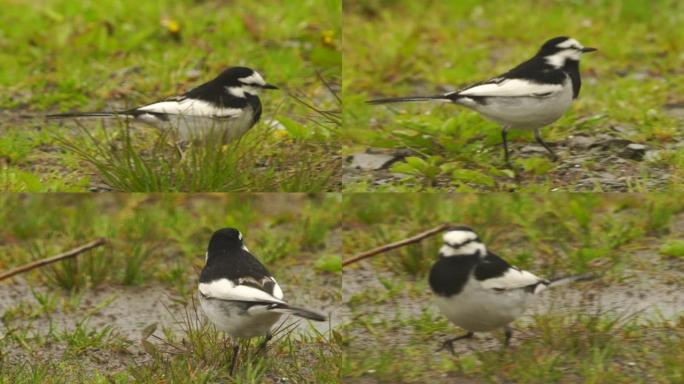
x=604, y=161
x=649, y=290
x=130, y=310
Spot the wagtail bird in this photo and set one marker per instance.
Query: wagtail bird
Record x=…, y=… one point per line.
x=530, y=96
x=238, y=294
x=477, y=290
x=228, y=105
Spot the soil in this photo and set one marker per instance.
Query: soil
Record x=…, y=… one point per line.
x=129, y=310
x=650, y=292
x=605, y=162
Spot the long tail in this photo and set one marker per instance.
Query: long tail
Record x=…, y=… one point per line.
x=410, y=98
x=571, y=279
x=297, y=311
x=85, y=114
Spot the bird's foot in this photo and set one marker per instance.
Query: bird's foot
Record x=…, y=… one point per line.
x=233, y=363
x=263, y=345
x=449, y=343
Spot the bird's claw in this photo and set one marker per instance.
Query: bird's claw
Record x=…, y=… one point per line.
x=447, y=345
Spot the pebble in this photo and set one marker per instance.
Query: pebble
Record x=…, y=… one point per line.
x=370, y=161
x=634, y=151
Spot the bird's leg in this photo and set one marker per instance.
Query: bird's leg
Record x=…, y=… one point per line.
x=449, y=344
x=537, y=136
x=504, y=134
x=181, y=148
x=269, y=336
x=236, y=350
x=508, y=333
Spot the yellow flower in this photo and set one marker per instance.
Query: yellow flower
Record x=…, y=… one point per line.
x=172, y=26
x=328, y=38
x=280, y=133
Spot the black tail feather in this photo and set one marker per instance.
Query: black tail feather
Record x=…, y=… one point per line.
x=84, y=114
x=404, y=99
x=570, y=279
x=297, y=311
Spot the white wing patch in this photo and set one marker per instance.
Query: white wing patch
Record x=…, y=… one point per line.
x=225, y=289
x=511, y=88
x=277, y=292
x=512, y=279
x=191, y=107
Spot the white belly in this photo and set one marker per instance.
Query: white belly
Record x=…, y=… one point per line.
x=236, y=321
x=197, y=128
x=478, y=310
x=524, y=112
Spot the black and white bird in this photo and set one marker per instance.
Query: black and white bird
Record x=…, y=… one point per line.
x=477, y=290
x=530, y=96
x=238, y=294
x=228, y=105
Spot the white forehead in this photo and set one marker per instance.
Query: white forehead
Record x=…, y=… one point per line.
x=254, y=78
x=458, y=237
x=569, y=43
x=240, y=235
x=558, y=59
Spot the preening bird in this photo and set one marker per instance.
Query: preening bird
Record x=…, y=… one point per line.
x=530, y=96
x=224, y=108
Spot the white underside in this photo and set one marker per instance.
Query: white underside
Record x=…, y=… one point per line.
x=524, y=112
x=192, y=128
x=257, y=321
x=478, y=309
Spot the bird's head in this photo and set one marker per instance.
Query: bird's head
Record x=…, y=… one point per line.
x=224, y=243
x=461, y=241
x=557, y=51
x=239, y=81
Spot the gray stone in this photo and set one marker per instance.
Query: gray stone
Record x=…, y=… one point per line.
x=369, y=161
x=634, y=151
x=611, y=144
x=533, y=149
x=625, y=129
x=580, y=142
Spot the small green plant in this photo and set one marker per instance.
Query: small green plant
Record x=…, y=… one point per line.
x=329, y=263
x=673, y=248
x=425, y=170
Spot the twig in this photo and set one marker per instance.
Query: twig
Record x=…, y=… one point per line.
x=328, y=85
x=50, y=260
x=400, y=243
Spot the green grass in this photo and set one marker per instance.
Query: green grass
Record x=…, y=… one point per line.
x=63, y=322
x=428, y=49
x=60, y=55
x=628, y=239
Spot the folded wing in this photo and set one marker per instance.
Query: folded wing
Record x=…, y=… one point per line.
x=190, y=107
x=225, y=289
x=508, y=88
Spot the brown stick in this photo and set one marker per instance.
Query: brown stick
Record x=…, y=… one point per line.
x=50, y=260
x=400, y=243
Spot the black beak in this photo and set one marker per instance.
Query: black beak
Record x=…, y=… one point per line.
x=588, y=49
x=269, y=86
